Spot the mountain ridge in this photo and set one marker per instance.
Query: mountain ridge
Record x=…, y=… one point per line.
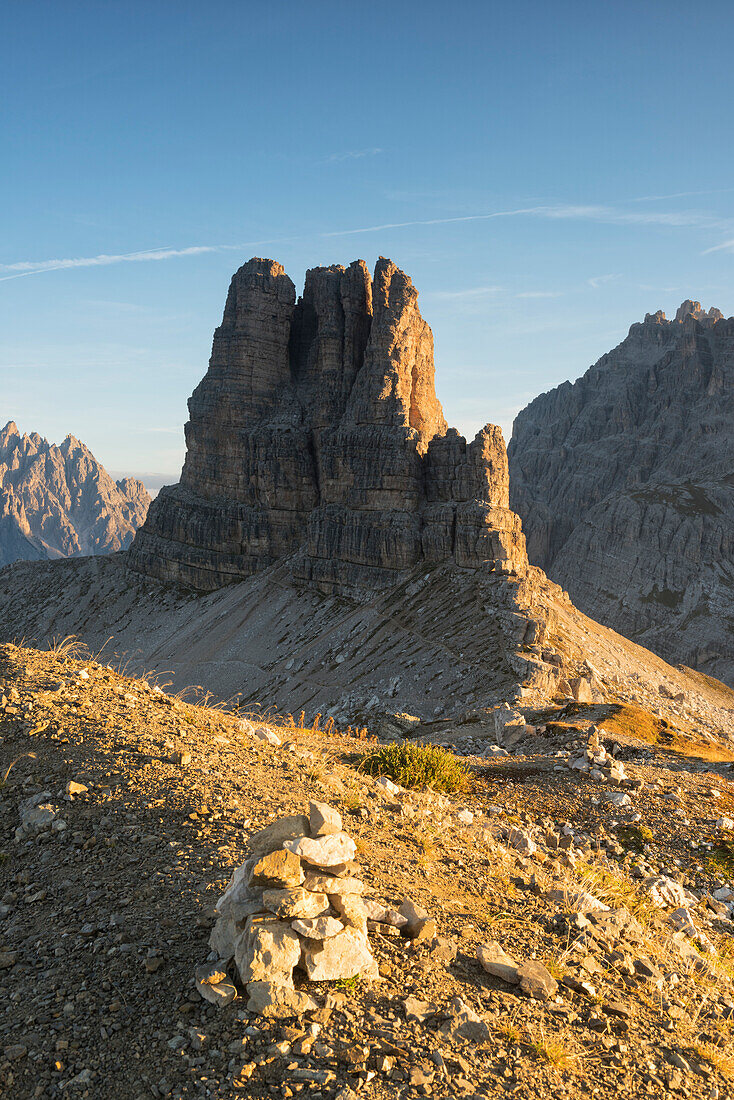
x=623, y=480
x=58, y=501
x=333, y=545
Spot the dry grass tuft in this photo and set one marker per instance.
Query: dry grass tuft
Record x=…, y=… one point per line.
x=721, y=1059
x=69, y=647
x=11, y=765
x=636, y=722
x=616, y=891
x=418, y=767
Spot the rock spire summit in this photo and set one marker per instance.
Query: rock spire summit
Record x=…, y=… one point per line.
x=317, y=430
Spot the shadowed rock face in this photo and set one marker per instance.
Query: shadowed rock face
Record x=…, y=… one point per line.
x=625, y=485
x=57, y=502
x=317, y=429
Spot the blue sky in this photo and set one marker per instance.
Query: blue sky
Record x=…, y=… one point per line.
x=546, y=173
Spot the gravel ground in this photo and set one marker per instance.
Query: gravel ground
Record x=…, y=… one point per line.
x=103, y=919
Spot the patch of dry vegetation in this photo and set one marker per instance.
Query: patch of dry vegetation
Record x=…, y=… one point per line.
x=418, y=767
x=629, y=720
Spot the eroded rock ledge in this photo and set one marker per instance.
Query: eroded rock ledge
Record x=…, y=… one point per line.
x=317, y=430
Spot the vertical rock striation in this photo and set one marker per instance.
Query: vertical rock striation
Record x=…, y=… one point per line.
x=317, y=429
x=625, y=485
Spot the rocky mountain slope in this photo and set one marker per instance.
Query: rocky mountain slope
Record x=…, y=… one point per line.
x=625, y=485
x=533, y=815
x=58, y=501
x=445, y=646
x=560, y=926
x=333, y=547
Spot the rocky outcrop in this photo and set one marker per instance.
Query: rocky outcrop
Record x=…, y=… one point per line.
x=58, y=501
x=380, y=570
x=317, y=433
x=625, y=485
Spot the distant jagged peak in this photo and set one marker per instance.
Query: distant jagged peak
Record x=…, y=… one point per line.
x=62, y=499
x=10, y=431
x=694, y=309
x=71, y=444
x=687, y=309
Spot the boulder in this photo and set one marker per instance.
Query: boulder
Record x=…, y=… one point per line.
x=346, y=955
x=274, y=836
x=415, y=916
x=331, y=884
x=330, y=851
x=296, y=902
x=267, y=950
x=318, y=928
x=536, y=981
x=351, y=909
x=214, y=985
x=496, y=962
x=278, y=869
x=323, y=819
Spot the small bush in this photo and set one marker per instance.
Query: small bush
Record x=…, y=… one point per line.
x=418, y=766
x=634, y=837
x=721, y=858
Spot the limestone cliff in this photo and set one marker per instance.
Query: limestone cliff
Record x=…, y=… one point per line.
x=317, y=433
x=58, y=501
x=379, y=567
x=625, y=485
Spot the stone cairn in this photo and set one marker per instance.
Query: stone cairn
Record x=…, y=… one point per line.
x=295, y=902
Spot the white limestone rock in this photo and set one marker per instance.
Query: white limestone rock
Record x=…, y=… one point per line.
x=296, y=902
x=332, y=850
x=347, y=955
x=267, y=951
x=497, y=962
x=330, y=884
x=274, y=836
x=318, y=928
x=323, y=819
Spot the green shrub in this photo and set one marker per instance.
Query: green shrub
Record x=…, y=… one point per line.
x=418, y=766
x=721, y=857
x=634, y=837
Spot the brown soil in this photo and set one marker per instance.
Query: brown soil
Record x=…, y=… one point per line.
x=103, y=923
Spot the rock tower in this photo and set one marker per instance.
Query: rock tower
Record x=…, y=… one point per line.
x=317, y=433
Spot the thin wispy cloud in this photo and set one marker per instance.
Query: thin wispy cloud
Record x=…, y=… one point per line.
x=607, y=215
x=601, y=280
x=683, y=195
x=610, y=215
x=725, y=246
x=35, y=267
x=354, y=154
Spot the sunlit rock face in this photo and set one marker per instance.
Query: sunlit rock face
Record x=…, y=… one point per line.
x=57, y=502
x=625, y=485
x=317, y=433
